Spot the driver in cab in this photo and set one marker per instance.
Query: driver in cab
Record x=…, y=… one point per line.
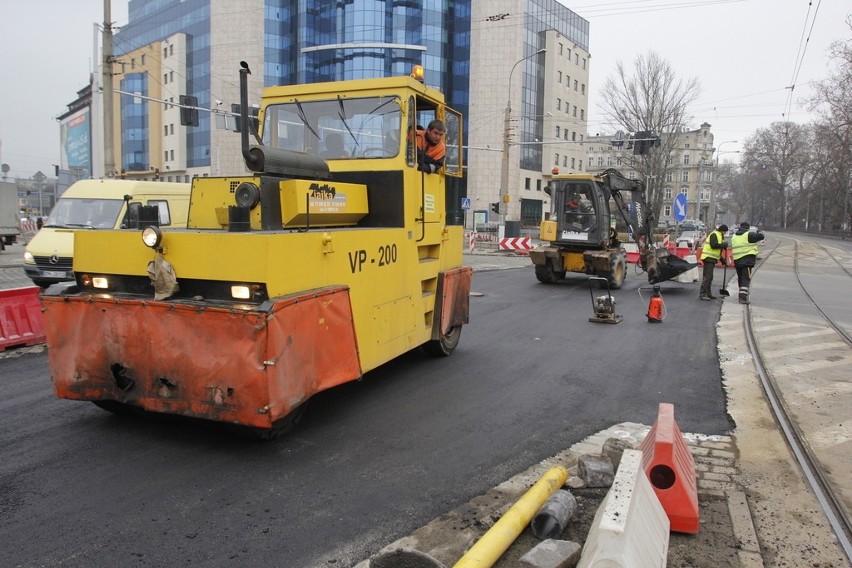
x=430, y=147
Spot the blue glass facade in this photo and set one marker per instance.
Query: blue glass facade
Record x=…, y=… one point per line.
x=155, y=20
x=542, y=15
x=134, y=122
x=307, y=41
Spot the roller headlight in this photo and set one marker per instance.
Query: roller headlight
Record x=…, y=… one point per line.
x=152, y=236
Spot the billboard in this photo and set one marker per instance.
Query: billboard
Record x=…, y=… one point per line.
x=76, y=148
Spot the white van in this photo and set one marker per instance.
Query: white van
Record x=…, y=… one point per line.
x=98, y=204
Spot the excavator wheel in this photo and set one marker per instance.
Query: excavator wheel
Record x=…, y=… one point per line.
x=617, y=273
x=546, y=274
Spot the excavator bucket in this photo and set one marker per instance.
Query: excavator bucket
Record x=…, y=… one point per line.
x=661, y=265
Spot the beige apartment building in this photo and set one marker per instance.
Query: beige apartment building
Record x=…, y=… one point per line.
x=691, y=170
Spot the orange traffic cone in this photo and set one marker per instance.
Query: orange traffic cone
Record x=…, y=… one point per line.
x=656, y=307
x=671, y=471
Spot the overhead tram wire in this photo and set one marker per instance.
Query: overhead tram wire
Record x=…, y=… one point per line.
x=800, y=56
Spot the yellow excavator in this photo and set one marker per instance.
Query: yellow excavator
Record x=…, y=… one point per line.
x=580, y=234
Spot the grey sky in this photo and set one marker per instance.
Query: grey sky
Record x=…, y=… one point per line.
x=744, y=53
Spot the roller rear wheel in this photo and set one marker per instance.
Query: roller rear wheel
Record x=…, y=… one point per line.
x=445, y=345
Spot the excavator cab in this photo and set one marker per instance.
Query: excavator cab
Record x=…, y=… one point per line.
x=581, y=212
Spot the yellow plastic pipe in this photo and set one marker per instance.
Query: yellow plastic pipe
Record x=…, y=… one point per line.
x=500, y=537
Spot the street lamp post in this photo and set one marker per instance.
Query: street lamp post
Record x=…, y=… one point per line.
x=711, y=220
x=504, y=173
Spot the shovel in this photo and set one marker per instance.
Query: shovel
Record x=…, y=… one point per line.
x=723, y=291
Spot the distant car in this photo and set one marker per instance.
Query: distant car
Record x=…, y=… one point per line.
x=690, y=239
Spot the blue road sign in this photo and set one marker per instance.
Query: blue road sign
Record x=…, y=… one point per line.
x=465, y=202
x=679, y=207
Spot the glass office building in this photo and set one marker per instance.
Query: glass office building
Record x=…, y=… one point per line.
x=468, y=50
x=303, y=41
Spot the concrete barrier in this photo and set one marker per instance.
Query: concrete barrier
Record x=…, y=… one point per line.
x=21, y=321
x=630, y=529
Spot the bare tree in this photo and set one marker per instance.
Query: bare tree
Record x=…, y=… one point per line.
x=781, y=154
x=651, y=98
x=833, y=101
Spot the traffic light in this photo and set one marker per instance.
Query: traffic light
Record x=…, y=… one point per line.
x=188, y=114
x=495, y=207
x=253, y=119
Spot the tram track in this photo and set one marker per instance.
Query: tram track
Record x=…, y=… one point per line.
x=827, y=496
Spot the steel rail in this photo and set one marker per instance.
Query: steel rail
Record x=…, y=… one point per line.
x=826, y=497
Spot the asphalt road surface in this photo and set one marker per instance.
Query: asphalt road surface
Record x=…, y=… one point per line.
x=371, y=461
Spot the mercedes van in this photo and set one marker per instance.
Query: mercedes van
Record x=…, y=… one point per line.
x=91, y=205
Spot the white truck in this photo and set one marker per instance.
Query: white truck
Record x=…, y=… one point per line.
x=9, y=214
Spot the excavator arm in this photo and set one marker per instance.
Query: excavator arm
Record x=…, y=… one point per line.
x=629, y=198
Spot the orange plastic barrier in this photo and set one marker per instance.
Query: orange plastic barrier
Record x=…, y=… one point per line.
x=671, y=471
x=21, y=321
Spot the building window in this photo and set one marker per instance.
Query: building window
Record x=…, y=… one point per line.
x=600, y=161
x=575, y=111
x=143, y=59
x=527, y=184
x=684, y=190
x=166, y=130
x=609, y=161
x=568, y=81
x=556, y=160
x=670, y=160
x=573, y=163
x=165, y=52
x=558, y=104
x=583, y=88
x=569, y=55
x=557, y=131
x=591, y=163
x=684, y=175
x=538, y=185
x=172, y=155
x=669, y=176
x=172, y=128
x=584, y=63
x=667, y=211
x=566, y=134
x=165, y=78
x=559, y=76
x=582, y=114
x=668, y=193
x=573, y=136
x=564, y=161
x=172, y=49
x=576, y=59
x=166, y=156
x=561, y=48
x=686, y=159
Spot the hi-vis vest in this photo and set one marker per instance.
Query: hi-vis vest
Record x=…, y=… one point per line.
x=741, y=246
x=706, y=251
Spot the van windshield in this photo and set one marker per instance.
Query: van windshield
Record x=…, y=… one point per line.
x=73, y=212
